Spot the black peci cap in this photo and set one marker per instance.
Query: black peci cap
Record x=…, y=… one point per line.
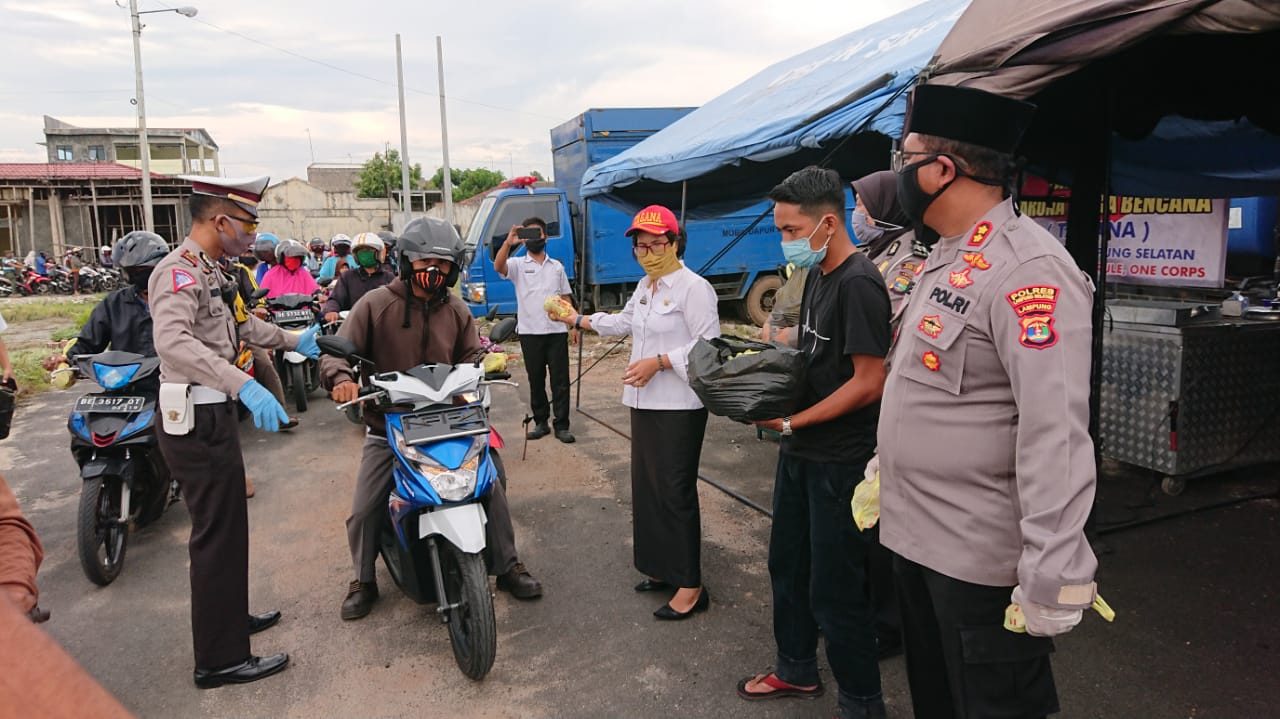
x=965, y=114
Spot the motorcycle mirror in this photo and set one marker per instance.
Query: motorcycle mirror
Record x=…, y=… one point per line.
x=503, y=331
x=336, y=346
x=492, y=314
x=259, y=293
x=325, y=282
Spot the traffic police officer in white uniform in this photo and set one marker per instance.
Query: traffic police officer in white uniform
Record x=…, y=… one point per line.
x=196, y=336
x=992, y=361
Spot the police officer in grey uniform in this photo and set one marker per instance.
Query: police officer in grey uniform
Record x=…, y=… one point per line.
x=196, y=337
x=993, y=359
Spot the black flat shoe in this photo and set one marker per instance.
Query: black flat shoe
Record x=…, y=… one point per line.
x=666, y=613
x=539, y=431
x=249, y=670
x=652, y=585
x=259, y=622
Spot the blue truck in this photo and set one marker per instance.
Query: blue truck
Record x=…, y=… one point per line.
x=589, y=237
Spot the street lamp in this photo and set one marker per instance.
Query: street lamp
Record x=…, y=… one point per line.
x=144, y=147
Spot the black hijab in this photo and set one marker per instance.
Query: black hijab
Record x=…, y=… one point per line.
x=878, y=193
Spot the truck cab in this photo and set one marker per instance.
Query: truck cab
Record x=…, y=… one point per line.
x=482, y=287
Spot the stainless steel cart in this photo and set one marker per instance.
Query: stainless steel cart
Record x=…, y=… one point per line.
x=1186, y=392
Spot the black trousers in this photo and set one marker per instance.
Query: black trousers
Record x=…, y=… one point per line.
x=961, y=661
x=666, y=446
x=543, y=353
x=209, y=468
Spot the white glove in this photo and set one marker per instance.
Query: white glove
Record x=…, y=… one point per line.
x=1045, y=621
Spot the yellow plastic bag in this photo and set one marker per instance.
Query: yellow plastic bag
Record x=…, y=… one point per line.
x=866, y=497
x=558, y=307
x=495, y=362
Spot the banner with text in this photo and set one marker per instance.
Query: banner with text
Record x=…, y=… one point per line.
x=1154, y=240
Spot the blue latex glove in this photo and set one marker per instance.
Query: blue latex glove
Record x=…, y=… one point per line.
x=307, y=342
x=267, y=412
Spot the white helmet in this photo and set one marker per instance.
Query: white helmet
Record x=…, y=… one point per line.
x=371, y=240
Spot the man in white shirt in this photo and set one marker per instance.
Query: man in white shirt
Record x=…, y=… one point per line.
x=544, y=342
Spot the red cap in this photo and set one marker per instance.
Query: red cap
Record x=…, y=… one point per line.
x=654, y=219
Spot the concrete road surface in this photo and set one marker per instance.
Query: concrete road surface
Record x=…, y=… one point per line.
x=1197, y=597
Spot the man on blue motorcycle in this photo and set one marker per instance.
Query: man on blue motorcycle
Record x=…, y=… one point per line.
x=122, y=321
x=413, y=320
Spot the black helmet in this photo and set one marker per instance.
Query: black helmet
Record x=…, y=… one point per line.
x=316, y=244
x=428, y=237
x=264, y=247
x=140, y=249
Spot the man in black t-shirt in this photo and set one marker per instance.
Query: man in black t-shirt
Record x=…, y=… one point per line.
x=817, y=556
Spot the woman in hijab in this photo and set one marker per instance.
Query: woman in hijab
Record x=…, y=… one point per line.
x=883, y=233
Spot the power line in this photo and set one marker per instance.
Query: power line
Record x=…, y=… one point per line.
x=354, y=73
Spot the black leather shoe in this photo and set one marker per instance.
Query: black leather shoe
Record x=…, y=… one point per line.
x=652, y=585
x=539, y=431
x=360, y=599
x=249, y=670
x=258, y=622
x=666, y=613
x=565, y=436
x=520, y=583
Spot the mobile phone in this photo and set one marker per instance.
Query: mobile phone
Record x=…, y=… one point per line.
x=529, y=233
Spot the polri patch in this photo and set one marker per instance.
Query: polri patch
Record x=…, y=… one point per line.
x=182, y=280
x=961, y=279
x=980, y=234
x=953, y=301
x=931, y=325
x=1037, y=332
x=976, y=260
x=901, y=283
x=1036, y=299
x=931, y=361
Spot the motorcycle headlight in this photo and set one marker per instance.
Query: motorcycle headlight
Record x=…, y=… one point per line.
x=453, y=485
x=114, y=377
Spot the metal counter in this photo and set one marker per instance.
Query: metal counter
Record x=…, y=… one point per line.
x=1185, y=395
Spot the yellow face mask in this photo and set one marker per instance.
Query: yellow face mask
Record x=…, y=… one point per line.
x=657, y=266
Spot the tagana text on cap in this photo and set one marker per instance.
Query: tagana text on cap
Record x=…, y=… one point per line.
x=654, y=219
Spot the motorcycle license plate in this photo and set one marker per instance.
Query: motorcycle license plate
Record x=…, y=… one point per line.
x=109, y=403
x=292, y=315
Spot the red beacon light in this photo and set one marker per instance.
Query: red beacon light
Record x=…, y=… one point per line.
x=525, y=182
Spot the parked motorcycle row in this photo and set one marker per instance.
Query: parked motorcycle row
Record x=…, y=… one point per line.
x=17, y=279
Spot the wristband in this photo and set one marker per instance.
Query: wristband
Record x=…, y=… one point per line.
x=577, y=323
x=661, y=366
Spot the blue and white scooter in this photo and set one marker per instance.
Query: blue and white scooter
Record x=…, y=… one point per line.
x=437, y=424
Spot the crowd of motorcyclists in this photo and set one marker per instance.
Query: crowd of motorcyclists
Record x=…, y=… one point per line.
x=40, y=274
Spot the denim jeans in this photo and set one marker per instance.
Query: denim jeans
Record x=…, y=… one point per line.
x=817, y=563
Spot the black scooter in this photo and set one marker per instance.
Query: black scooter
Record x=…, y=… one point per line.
x=126, y=483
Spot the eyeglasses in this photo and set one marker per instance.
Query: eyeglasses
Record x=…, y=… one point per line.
x=249, y=225
x=658, y=249
x=897, y=159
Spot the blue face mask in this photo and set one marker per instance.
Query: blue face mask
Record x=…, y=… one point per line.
x=799, y=253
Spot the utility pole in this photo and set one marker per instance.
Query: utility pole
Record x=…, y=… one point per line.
x=444, y=136
x=312, y=146
x=144, y=147
x=406, y=198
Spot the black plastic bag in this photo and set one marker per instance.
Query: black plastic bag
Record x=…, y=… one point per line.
x=765, y=384
x=8, y=400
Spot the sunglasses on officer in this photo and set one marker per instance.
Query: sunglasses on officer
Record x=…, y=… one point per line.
x=249, y=225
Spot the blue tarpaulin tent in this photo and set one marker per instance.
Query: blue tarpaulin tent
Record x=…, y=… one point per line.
x=843, y=99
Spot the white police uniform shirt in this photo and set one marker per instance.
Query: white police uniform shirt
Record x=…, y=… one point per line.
x=668, y=320
x=535, y=282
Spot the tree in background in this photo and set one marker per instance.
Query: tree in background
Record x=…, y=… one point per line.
x=381, y=174
x=469, y=183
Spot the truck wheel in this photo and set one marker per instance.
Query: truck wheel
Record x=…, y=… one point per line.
x=759, y=301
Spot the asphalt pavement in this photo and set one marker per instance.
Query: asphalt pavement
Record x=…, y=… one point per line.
x=1196, y=596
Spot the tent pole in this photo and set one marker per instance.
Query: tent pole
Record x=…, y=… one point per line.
x=684, y=199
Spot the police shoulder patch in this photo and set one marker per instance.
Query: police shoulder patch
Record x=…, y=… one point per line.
x=182, y=280
x=1034, y=299
x=1037, y=331
x=190, y=258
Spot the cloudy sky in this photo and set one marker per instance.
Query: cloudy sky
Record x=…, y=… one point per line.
x=259, y=75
